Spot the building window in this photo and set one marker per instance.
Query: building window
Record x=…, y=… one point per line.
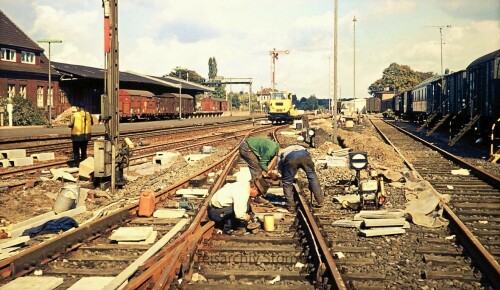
x=11, y=89
x=22, y=91
x=8, y=54
x=39, y=97
x=27, y=57
x=50, y=97
x=62, y=97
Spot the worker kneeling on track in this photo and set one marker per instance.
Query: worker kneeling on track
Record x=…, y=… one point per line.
x=291, y=159
x=229, y=207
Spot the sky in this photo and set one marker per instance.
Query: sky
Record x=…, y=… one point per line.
x=156, y=36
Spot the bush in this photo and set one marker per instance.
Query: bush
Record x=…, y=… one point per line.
x=23, y=113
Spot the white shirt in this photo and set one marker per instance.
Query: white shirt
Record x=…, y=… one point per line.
x=236, y=193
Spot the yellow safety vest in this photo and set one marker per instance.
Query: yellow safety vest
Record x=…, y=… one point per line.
x=82, y=125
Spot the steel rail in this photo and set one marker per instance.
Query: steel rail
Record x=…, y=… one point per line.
x=481, y=256
x=162, y=269
x=26, y=261
x=331, y=270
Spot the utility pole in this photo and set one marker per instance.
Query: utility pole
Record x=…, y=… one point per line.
x=50, y=94
x=354, y=53
x=441, y=40
x=335, y=29
x=112, y=85
x=274, y=55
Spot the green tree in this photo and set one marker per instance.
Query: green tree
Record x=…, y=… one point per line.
x=398, y=78
x=312, y=103
x=23, y=112
x=186, y=74
x=235, y=100
x=212, y=68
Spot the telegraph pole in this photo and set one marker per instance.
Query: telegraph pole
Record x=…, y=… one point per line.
x=274, y=55
x=50, y=94
x=354, y=86
x=335, y=29
x=441, y=40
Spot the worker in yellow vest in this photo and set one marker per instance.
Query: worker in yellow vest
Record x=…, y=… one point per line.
x=81, y=132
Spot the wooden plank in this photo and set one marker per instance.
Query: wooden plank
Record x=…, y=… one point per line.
x=110, y=247
x=82, y=272
x=130, y=270
x=351, y=249
x=441, y=275
x=251, y=248
x=399, y=222
x=363, y=276
x=241, y=274
x=102, y=258
x=252, y=239
x=438, y=250
x=355, y=261
x=437, y=259
x=208, y=286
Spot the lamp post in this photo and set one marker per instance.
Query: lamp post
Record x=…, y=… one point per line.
x=178, y=70
x=49, y=93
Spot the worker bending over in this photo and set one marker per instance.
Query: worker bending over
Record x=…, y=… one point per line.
x=291, y=159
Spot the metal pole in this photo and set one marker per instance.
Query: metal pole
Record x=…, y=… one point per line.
x=335, y=29
x=180, y=100
x=354, y=86
x=441, y=42
x=273, y=54
x=49, y=95
x=250, y=100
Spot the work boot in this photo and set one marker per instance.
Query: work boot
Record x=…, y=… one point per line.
x=261, y=200
x=290, y=207
x=239, y=232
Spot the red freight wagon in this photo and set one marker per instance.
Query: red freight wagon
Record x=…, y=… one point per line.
x=215, y=105
x=130, y=104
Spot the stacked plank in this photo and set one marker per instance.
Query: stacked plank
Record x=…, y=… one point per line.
x=382, y=222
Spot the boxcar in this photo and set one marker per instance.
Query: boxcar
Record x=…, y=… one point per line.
x=169, y=105
x=136, y=104
x=373, y=105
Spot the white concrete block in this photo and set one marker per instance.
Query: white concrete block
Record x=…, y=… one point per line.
x=13, y=153
x=207, y=149
x=131, y=233
x=45, y=156
x=95, y=283
x=86, y=167
x=195, y=157
x=192, y=191
x=4, y=163
x=165, y=213
x=21, y=161
x=34, y=283
x=165, y=158
x=151, y=239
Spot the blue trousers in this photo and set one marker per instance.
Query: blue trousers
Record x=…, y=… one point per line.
x=293, y=162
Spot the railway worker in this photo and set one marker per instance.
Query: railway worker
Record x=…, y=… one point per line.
x=81, y=132
x=229, y=207
x=258, y=153
x=291, y=159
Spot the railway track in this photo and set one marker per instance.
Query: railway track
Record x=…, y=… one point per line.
x=472, y=211
x=175, y=139
x=87, y=250
x=293, y=256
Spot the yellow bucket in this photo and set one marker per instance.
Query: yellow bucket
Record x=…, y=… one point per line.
x=269, y=222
